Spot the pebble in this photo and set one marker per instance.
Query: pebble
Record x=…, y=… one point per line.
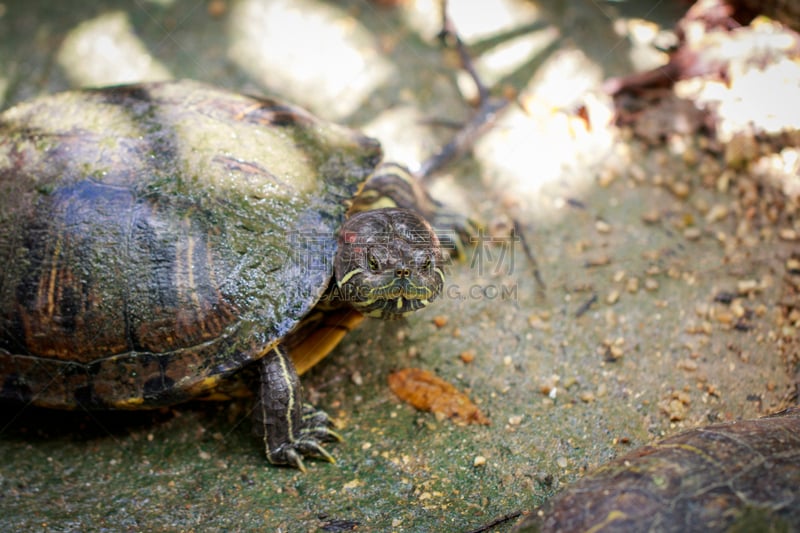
x=651, y=217
x=467, y=356
x=716, y=213
x=613, y=297
x=746, y=286
x=515, y=420
x=440, y=321
x=602, y=226
x=692, y=234
x=680, y=189
x=606, y=178
x=632, y=285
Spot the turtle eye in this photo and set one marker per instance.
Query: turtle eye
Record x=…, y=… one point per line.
x=372, y=262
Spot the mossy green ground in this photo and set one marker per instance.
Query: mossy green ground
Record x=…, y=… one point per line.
x=569, y=374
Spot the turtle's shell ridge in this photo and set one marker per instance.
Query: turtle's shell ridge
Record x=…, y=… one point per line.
x=161, y=236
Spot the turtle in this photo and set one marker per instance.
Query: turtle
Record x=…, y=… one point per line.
x=734, y=476
x=161, y=239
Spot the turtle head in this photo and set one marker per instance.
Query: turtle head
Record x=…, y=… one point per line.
x=388, y=262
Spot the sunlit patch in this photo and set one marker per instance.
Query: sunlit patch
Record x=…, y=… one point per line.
x=270, y=39
x=106, y=50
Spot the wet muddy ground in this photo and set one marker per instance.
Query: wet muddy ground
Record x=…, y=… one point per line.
x=663, y=300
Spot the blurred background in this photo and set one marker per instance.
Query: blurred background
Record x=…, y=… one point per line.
x=658, y=290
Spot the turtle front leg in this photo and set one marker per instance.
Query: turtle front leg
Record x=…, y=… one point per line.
x=290, y=428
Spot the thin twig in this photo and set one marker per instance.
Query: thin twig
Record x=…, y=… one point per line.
x=585, y=306
x=529, y=254
x=496, y=522
x=488, y=108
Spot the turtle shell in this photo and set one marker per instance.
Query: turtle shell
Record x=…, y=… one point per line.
x=156, y=238
x=740, y=476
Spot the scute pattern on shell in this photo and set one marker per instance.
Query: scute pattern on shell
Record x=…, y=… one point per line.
x=160, y=236
x=744, y=474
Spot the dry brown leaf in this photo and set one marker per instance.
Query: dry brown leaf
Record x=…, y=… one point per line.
x=427, y=392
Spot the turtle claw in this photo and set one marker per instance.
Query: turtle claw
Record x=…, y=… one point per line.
x=313, y=417
x=306, y=440
x=293, y=452
x=314, y=449
x=294, y=460
x=292, y=455
x=318, y=426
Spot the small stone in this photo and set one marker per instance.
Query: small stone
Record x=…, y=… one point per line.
x=615, y=352
x=537, y=322
x=353, y=484
x=606, y=178
x=440, y=321
x=548, y=386
x=704, y=328
x=638, y=173
x=692, y=234
x=613, y=297
x=716, y=213
x=680, y=189
x=515, y=420
x=746, y=286
x=601, y=260
x=602, y=226
x=632, y=285
x=724, y=317
x=651, y=217
x=479, y=461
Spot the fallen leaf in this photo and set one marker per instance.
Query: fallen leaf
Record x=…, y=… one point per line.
x=427, y=392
